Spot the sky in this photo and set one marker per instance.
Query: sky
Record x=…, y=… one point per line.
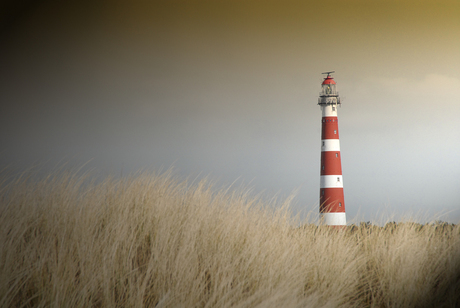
x=228, y=90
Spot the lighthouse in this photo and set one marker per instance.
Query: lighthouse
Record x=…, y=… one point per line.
x=331, y=201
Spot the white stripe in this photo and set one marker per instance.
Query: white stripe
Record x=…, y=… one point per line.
x=334, y=219
x=331, y=181
x=328, y=112
x=330, y=145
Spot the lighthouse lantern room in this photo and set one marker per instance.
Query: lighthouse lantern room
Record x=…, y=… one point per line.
x=332, y=205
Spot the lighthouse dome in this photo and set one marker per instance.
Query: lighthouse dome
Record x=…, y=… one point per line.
x=328, y=80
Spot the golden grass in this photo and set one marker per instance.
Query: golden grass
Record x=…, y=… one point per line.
x=150, y=240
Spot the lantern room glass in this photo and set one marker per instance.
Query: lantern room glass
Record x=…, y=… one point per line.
x=329, y=89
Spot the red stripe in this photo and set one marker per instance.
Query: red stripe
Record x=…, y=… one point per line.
x=330, y=128
x=330, y=164
x=330, y=200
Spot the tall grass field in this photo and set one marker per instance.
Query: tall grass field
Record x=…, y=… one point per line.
x=151, y=240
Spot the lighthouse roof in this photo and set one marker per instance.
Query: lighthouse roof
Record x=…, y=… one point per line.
x=328, y=80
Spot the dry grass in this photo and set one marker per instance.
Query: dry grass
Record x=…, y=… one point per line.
x=152, y=241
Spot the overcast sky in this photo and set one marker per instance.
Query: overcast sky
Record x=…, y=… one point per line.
x=230, y=89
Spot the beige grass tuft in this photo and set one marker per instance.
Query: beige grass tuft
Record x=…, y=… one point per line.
x=151, y=240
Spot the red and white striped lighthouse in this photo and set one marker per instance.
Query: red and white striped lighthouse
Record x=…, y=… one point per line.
x=332, y=205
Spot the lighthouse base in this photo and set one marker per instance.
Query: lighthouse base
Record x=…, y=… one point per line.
x=333, y=219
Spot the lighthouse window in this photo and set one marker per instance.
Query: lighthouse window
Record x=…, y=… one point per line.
x=333, y=108
x=323, y=167
x=335, y=131
x=340, y=204
x=322, y=192
x=323, y=143
x=338, y=179
x=336, y=154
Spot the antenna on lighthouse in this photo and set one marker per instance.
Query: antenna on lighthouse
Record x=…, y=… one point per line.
x=328, y=73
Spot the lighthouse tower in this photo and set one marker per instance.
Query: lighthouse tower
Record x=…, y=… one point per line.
x=332, y=205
